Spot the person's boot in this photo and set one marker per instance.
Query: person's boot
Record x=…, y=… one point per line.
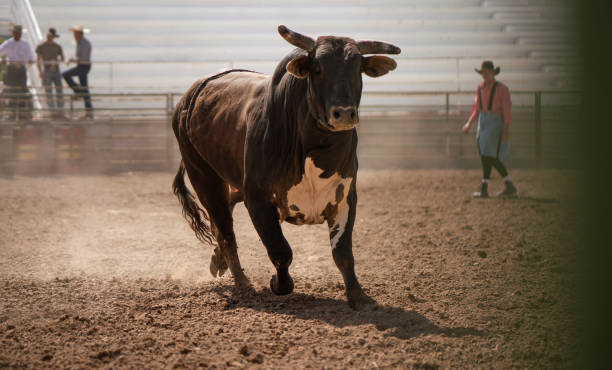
x=509, y=191
x=484, y=191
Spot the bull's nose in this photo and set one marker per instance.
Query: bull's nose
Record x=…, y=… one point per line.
x=344, y=115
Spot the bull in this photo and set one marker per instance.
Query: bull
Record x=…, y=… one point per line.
x=284, y=144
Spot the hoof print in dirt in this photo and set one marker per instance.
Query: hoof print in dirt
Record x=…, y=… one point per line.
x=257, y=359
x=244, y=350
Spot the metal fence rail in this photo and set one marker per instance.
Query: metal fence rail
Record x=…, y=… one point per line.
x=372, y=101
x=415, y=73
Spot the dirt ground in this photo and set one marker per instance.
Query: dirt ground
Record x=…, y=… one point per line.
x=102, y=271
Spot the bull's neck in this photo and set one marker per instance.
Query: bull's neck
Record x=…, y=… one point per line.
x=300, y=119
x=335, y=152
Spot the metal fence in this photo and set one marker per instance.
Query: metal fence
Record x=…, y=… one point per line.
x=132, y=131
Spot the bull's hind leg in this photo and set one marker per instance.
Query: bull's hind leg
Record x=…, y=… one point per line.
x=214, y=195
x=218, y=265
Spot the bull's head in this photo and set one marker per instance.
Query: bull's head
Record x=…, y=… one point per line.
x=333, y=69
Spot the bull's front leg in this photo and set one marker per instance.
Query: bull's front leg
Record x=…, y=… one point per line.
x=341, y=239
x=264, y=216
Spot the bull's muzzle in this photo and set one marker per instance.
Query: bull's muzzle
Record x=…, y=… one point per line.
x=343, y=118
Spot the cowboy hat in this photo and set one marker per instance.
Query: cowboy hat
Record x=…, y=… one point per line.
x=78, y=28
x=487, y=64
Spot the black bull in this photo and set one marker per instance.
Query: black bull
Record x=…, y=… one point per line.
x=285, y=145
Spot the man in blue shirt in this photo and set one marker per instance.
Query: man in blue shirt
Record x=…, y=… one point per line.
x=83, y=61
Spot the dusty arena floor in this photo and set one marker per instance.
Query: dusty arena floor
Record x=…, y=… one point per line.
x=104, y=272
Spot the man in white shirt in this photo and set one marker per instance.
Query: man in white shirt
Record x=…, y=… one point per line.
x=18, y=53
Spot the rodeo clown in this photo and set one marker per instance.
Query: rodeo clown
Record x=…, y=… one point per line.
x=492, y=106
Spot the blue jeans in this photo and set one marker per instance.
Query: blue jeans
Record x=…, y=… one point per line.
x=81, y=71
x=53, y=78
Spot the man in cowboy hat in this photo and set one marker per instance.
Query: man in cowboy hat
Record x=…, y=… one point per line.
x=83, y=61
x=49, y=55
x=18, y=53
x=492, y=106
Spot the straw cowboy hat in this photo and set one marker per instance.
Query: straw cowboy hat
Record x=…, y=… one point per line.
x=78, y=28
x=487, y=64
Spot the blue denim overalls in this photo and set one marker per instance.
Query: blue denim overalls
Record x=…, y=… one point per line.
x=489, y=133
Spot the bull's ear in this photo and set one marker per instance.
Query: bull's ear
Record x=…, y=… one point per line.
x=299, y=67
x=377, y=65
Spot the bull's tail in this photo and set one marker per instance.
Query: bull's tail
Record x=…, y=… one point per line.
x=196, y=217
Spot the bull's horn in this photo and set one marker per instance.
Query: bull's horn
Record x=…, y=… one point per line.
x=377, y=47
x=296, y=39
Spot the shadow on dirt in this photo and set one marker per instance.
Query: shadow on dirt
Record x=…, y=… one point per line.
x=532, y=199
x=393, y=321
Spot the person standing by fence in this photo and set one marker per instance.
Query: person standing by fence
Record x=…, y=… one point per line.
x=19, y=53
x=492, y=106
x=83, y=61
x=49, y=55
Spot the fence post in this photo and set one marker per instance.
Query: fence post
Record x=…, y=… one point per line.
x=169, y=104
x=447, y=106
x=538, y=128
x=458, y=85
x=170, y=149
x=71, y=114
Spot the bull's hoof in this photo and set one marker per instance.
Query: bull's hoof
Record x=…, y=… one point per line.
x=281, y=287
x=360, y=301
x=218, y=266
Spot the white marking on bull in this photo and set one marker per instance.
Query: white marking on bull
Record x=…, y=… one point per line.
x=340, y=222
x=310, y=197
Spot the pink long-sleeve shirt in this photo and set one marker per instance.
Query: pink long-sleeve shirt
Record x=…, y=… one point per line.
x=501, y=101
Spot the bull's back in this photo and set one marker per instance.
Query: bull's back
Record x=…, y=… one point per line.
x=218, y=123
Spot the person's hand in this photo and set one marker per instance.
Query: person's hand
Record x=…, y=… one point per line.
x=466, y=128
x=505, y=136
